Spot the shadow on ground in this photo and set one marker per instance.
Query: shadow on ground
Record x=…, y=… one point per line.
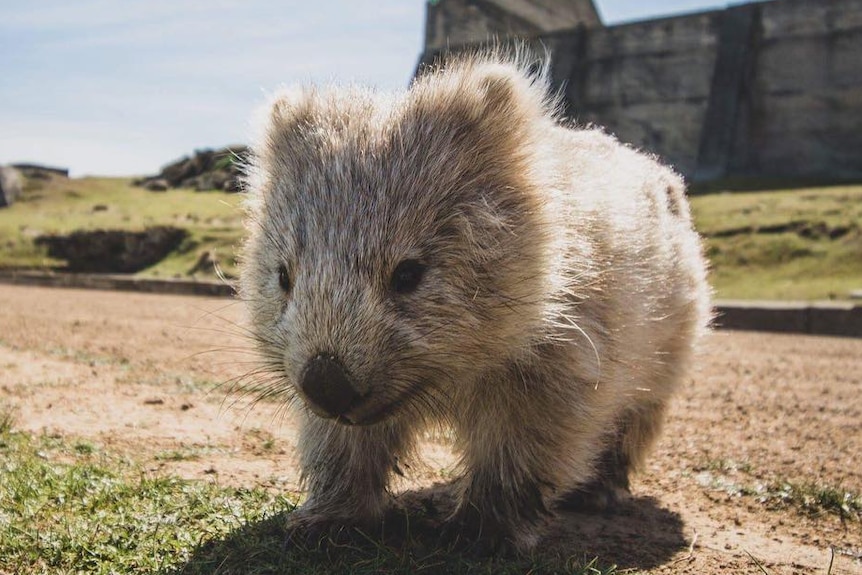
x=638, y=535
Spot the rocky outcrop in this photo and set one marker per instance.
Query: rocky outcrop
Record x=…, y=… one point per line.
x=40, y=172
x=205, y=170
x=113, y=251
x=10, y=186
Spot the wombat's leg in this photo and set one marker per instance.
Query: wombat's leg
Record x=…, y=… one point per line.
x=636, y=432
x=497, y=513
x=640, y=429
x=510, y=456
x=346, y=471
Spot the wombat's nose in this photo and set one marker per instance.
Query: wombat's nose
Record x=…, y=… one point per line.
x=326, y=385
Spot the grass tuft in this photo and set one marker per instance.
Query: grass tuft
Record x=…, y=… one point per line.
x=7, y=419
x=814, y=500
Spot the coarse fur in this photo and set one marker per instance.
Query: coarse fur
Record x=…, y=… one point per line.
x=562, y=293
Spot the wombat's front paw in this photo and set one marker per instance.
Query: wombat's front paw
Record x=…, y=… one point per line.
x=595, y=497
x=475, y=533
x=311, y=529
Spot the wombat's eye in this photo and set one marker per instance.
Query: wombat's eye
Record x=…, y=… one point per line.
x=284, y=279
x=407, y=276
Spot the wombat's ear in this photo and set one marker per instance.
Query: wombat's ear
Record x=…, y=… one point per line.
x=282, y=128
x=510, y=95
x=497, y=102
x=291, y=111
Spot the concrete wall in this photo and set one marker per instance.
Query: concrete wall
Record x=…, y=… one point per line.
x=766, y=89
x=806, y=94
x=649, y=83
x=452, y=23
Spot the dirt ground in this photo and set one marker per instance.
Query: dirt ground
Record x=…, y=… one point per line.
x=145, y=376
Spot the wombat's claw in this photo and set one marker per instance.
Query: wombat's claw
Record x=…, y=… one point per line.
x=596, y=497
x=310, y=532
x=306, y=536
x=469, y=533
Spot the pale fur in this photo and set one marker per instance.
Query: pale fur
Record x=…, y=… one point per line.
x=564, y=293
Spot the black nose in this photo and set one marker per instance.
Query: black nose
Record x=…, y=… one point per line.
x=326, y=384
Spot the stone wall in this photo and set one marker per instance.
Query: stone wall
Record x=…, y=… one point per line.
x=806, y=93
x=766, y=89
x=459, y=22
x=649, y=83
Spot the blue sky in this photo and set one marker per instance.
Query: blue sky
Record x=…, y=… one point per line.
x=120, y=88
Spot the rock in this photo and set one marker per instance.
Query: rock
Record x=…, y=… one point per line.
x=10, y=185
x=211, y=181
x=206, y=264
x=205, y=170
x=157, y=185
x=179, y=171
x=40, y=172
x=113, y=251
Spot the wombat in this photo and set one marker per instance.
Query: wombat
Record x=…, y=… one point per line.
x=457, y=255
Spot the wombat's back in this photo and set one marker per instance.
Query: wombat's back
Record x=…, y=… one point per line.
x=650, y=265
x=638, y=294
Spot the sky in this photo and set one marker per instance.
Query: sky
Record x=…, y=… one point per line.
x=108, y=87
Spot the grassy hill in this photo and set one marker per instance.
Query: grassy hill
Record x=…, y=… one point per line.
x=793, y=244
x=785, y=244
x=59, y=206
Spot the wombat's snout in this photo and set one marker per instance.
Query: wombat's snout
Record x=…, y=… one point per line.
x=327, y=386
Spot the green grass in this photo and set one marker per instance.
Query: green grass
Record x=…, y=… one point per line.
x=777, y=245
x=802, y=243
x=7, y=419
x=67, y=507
x=60, y=206
x=807, y=498
x=812, y=499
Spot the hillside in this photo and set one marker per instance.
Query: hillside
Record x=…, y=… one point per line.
x=783, y=244
x=52, y=208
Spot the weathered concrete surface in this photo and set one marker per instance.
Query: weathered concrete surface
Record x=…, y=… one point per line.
x=766, y=89
x=807, y=94
x=820, y=318
x=731, y=79
x=451, y=23
x=117, y=283
x=649, y=83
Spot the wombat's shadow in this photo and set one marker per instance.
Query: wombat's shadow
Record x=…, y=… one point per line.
x=639, y=534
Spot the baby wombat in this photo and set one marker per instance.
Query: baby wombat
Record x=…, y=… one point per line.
x=455, y=255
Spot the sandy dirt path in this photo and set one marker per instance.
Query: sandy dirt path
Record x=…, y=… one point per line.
x=145, y=376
